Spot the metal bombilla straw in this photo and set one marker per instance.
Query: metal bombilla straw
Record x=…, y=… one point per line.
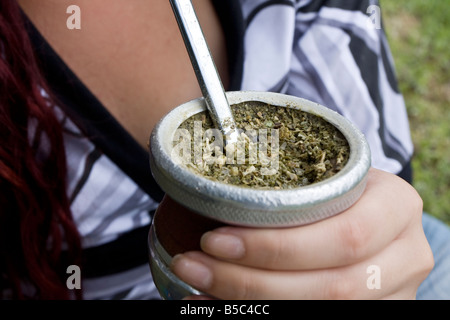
x=205, y=69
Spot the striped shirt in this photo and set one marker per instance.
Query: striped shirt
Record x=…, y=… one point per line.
x=326, y=51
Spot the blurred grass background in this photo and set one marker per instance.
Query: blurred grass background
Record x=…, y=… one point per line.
x=419, y=36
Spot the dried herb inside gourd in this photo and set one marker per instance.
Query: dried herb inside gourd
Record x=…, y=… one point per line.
x=309, y=148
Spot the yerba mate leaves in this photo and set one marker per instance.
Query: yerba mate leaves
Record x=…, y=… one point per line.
x=279, y=148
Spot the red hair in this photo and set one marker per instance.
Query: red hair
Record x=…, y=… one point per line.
x=35, y=217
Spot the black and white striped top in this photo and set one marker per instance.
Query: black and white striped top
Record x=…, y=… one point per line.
x=321, y=50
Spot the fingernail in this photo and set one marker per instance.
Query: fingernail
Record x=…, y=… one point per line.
x=192, y=272
x=223, y=245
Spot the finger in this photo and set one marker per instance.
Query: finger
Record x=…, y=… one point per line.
x=387, y=274
x=375, y=220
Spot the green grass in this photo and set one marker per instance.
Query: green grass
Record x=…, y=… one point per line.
x=419, y=36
